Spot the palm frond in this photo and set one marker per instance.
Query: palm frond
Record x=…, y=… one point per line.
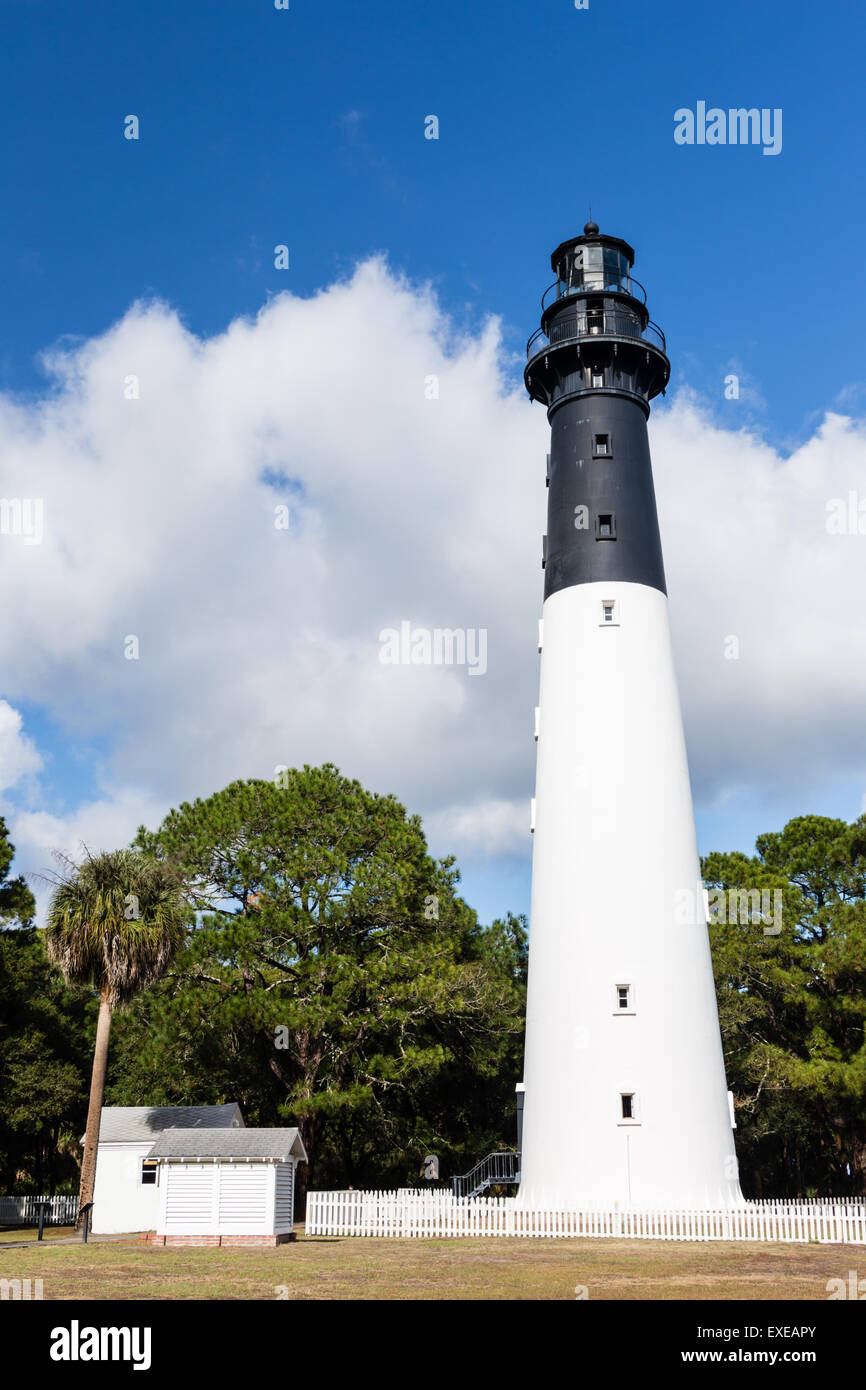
x=115, y=920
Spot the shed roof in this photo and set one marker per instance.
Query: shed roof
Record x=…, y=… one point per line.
x=251, y=1143
x=125, y=1124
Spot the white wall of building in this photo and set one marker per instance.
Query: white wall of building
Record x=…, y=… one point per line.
x=614, y=852
x=120, y=1201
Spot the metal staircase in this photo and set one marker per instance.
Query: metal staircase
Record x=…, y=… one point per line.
x=495, y=1168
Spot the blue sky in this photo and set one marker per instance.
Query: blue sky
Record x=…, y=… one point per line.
x=306, y=127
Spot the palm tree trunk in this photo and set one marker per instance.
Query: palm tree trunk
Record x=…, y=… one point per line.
x=94, y=1109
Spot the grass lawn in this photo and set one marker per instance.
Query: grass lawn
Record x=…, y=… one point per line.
x=332, y=1268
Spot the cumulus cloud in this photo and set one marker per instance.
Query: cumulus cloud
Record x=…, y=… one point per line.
x=408, y=465
x=766, y=600
x=19, y=757
x=483, y=828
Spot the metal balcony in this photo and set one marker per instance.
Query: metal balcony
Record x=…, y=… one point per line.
x=595, y=282
x=594, y=324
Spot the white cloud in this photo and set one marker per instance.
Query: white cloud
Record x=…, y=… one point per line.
x=19, y=757
x=259, y=647
x=483, y=828
x=749, y=555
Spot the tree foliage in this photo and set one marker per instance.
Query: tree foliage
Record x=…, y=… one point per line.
x=16, y=899
x=113, y=925
x=334, y=979
x=331, y=976
x=43, y=1051
x=793, y=1009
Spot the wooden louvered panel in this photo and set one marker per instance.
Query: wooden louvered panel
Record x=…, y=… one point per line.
x=189, y=1194
x=285, y=1196
x=243, y=1193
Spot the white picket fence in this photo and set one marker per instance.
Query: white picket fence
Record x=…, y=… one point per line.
x=423, y=1215
x=24, y=1211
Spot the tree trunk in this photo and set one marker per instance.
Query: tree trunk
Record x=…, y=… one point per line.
x=307, y=1130
x=94, y=1109
x=858, y=1165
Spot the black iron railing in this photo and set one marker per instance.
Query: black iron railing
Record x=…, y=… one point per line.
x=596, y=324
x=599, y=281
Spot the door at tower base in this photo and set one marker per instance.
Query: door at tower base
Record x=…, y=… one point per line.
x=626, y=1100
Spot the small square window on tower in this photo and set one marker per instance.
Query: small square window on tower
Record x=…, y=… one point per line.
x=627, y=1105
x=609, y=617
x=601, y=446
x=623, y=1001
x=605, y=526
x=596, y=378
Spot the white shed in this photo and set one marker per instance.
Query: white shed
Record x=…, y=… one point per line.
x=226, y=1187
x=125, y=1193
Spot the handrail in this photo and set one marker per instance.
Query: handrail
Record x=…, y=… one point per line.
x=610, y=284
x=497, y=1167
x=554, y=286
x=595, y=325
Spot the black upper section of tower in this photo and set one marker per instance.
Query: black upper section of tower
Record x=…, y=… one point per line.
x=596, y=362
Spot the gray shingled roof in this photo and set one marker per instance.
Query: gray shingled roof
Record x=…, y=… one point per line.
x=130, y=1123
x=228, y=1143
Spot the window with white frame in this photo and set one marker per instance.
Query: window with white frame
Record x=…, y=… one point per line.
x=149, y=1172
x=628, y=1107
x=623, y=1000
x=601, y=446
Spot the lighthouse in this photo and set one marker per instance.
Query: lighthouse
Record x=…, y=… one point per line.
x=625, y=1101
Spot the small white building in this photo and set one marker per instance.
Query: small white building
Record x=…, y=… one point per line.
x=126, y=1189
x=226, y=1186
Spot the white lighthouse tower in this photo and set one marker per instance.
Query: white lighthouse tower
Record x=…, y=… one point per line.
x=626, y=1102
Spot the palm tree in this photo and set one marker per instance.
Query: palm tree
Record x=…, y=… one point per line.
x=114, y=923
